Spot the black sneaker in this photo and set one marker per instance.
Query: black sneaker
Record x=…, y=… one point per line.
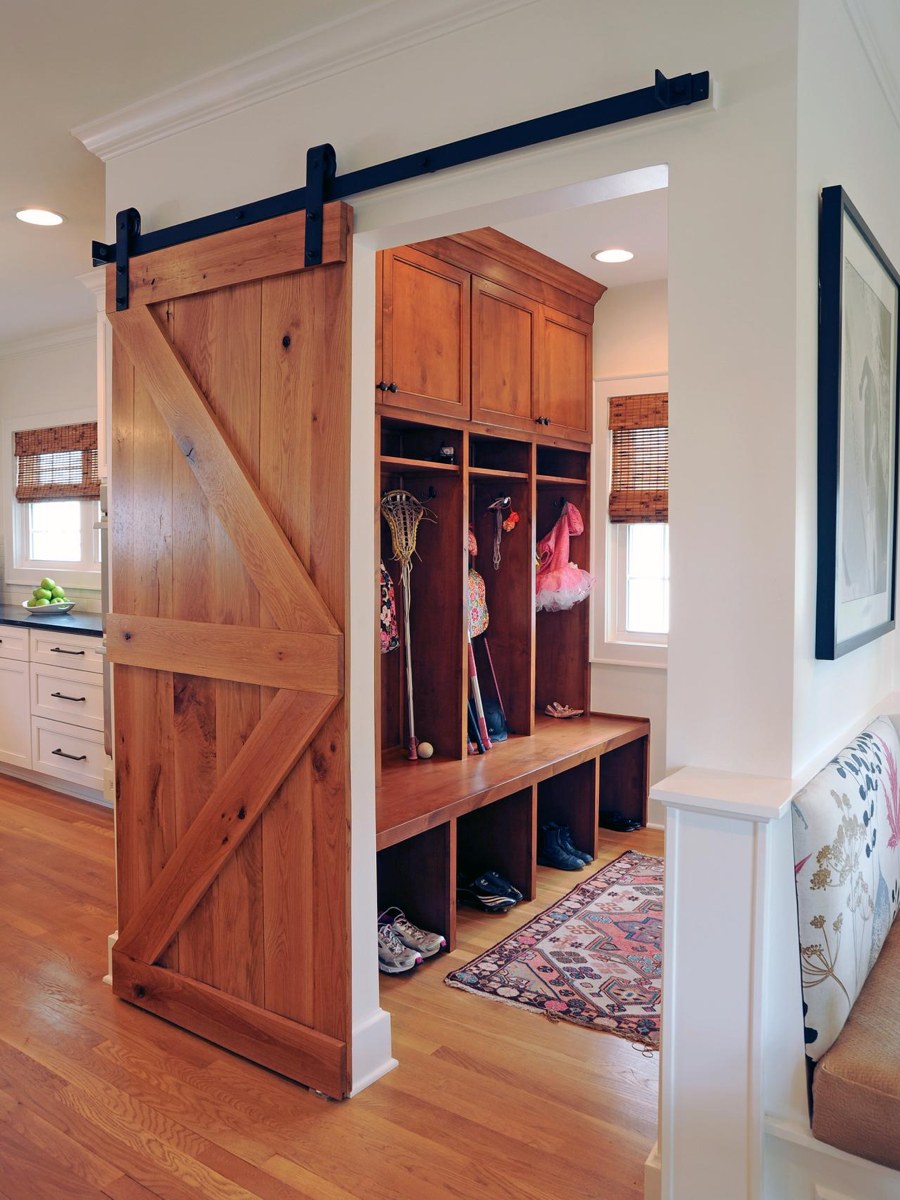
x=501, y=882
x=484, y=893
x=551, y=853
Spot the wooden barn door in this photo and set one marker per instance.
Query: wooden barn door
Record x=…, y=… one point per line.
x=229, y=543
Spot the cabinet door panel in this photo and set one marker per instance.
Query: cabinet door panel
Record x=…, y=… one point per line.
x=425, y=333
x=15, y=719
x=504, y=355
x=566, y=358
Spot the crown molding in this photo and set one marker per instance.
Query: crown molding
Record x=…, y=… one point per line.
x=875, y=37
x=378, y=31
x=49, y=340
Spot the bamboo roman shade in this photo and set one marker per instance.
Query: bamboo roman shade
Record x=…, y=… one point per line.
x=639, y=491
x=59, y=463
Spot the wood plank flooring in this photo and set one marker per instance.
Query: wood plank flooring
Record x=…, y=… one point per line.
x=99, y=1099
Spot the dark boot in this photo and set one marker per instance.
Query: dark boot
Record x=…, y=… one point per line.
x=552, y=854
x=565, y=840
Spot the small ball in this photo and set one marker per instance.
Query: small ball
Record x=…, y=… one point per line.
x=425, y=750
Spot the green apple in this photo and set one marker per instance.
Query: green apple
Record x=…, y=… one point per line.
x=40, y=603
x=58, y=592
x=49, y=584
x=42, y=594
x=32, y=603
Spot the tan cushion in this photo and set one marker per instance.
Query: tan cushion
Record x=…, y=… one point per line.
x=856, y=1086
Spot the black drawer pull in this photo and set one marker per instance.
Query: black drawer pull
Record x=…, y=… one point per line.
x=59, y=650
x=76, y=699
x=74, y=757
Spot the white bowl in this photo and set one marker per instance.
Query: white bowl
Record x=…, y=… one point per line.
x=46, y=609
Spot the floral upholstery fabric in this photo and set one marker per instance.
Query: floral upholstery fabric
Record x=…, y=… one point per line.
x=847, y=869
x=387, y=617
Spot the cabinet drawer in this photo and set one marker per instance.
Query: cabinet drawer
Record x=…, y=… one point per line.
x=13, y=643
x=72, y=696
x=72, y=650
x=67, y=752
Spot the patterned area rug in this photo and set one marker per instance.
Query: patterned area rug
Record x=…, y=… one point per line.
x=594, y=957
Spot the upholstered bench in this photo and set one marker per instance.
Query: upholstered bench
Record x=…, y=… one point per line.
x=846, y=825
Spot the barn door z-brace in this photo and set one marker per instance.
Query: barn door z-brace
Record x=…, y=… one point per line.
x=322, y=183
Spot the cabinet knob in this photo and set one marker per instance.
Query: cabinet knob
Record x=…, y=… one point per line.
x=392, y=387
x=542, y=420
x=381, y=385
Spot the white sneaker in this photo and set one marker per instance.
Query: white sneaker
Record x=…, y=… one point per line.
x=393, y=957
x=427, y=944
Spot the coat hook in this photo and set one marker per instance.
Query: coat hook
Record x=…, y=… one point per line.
x=432, y=494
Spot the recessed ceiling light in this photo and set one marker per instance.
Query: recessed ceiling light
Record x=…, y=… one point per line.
x=612, y=256
x=39, y=216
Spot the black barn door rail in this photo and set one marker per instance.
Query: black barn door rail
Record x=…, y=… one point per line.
x=322, y=184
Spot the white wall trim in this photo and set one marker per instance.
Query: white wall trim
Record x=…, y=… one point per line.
x=46, y=341
x=378, y=31
x=874, y=46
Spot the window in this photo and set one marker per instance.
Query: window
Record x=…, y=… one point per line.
x=53, y=503
x=632, y=612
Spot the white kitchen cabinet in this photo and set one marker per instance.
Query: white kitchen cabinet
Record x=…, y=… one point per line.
x=66, y=695
x=15, y=717
x=66, y=688
x=68, y=752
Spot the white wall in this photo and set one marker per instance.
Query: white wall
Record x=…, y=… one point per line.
x=732, y=297
x=848, y=136
x=49, y=375
x=631, y=339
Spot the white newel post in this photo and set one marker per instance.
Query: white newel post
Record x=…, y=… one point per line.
x=719, y=840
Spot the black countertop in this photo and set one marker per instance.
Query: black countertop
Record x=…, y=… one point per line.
x=71, y=622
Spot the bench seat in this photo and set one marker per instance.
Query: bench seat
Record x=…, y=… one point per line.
x=856, y=1086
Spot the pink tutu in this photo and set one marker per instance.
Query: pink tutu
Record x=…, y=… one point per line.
x=560, y=584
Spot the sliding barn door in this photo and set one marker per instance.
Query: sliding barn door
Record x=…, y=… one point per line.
x=229, y=543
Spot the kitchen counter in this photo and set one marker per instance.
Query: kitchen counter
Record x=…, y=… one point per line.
x=88, y=623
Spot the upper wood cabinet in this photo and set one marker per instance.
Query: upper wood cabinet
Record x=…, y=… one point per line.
x=481, y=327
x=425, y=322
x=505, y=330
x=565, y=380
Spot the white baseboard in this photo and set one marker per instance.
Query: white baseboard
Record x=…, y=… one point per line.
x=797, y=1164
x=371, y=1053
x=653, y=1175
x=54, y=784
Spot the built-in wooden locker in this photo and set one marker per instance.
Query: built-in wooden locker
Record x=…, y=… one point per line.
x=229, y=533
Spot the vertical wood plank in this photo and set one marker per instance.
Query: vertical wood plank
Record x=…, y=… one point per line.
x=194, y=746
x=287, y=832
x=144, y=700
x=305, y=403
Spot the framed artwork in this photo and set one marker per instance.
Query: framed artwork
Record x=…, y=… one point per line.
x=859, y=303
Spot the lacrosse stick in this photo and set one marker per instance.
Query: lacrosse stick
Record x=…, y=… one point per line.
x=403, y=512
x=477, y=620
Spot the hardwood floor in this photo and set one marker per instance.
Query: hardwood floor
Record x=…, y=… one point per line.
x=99, y=1099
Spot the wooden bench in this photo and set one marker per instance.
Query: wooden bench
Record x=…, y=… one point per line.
x=442, y=816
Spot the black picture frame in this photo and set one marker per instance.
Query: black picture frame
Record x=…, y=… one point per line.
x=859, y=402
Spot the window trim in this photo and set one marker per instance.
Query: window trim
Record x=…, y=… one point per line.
x=16, y=576
x=606, y=647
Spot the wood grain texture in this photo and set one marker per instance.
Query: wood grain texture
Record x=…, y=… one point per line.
x=282, y=1045
x=507, y=250
x=304, y=662
x=239, y=797
x=475, y=259
x=418, y=796
x=504, y=355
x=424, y=332
x=228, y=487
x=304, y=465
x=103, y=1091
x=566, y=385
x=222, y=260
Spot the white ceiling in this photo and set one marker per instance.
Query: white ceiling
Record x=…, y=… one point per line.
x=67, y=62
x=637, y=223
